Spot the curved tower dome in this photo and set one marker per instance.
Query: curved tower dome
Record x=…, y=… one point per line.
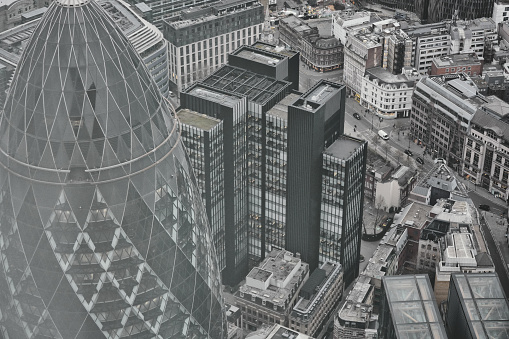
x=102, y=229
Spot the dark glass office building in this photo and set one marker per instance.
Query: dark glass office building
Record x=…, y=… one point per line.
x=102, y=230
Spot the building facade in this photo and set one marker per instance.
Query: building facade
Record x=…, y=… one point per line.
x=472, y=36
x=486, y=150
x=500, y=11
x=442, y=109
x=429, y=41
x=361, y=52
x=271, y=290
x=203, y=137
x=101, y=213
x=456, y=63
x=322, y=53
x=341, y=207
x=231, y=109
x=200, y=38
x=439, y=10
x=319, y=300
x=387, y=95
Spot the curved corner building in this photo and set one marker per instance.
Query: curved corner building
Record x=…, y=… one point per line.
x=102, y=230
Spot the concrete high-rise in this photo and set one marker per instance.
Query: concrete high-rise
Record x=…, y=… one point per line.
x=103, y=231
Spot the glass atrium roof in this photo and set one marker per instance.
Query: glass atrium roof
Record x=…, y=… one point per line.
x=256, y=87
x=413, y=308
x=485, y=305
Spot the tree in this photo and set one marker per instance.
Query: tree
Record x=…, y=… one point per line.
x=338, y=6
x=379, y=214
x=398, y=127
x=375, y=141
x=386, y=148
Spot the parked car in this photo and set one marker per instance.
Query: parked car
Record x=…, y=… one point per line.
x=387, y=222
x=408, y=152
x=357, y=116
x=484, y=207
x=437, y=160
x=419, y=160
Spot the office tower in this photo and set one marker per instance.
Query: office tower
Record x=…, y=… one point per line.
x=315, y=121
x=103, y=232
x=477, y=307
x=409, y=309
x=439, y=10
x=342, y=201
x=284, y=207
x=203, y=137
x=200, y=38
x=231, y=110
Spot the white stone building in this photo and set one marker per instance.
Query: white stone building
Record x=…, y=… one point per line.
x=471, y=36
x=388, y=95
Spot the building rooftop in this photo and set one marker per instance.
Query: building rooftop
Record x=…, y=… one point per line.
x=214, y=95
x=258, y=88
x=386, y=77
x=315, y=288
x=275, y=278
x=459, y=248
x=280, y=109
x=355, y=312
x=258, y=55
x=212, y=11
x=494, y=117
x=361, y=294
x=393, y=236
x=485, y=305
x=377, y=265
x=458, y=212
x=296, y=24
x=126, y=20
x=415, y=215
x=361, y=290
x=344, y=147
x=322, y=91
x=440, y=176
x=439, y=28
x=35, y=13
x=276, y=332
x=198, y=120
x=413, y=307
x=12, y=42
x=456, y=60
x=458, y=89
x=274, y=49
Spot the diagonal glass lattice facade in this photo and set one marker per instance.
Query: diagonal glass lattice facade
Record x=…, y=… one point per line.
x=103, y=233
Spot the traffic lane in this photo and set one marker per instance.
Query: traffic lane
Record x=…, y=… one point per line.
x=497, y=206
x=500, y=267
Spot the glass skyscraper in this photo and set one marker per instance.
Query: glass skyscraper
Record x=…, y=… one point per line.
x=103, y=233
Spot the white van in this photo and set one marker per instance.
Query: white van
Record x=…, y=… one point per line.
x=383, y=135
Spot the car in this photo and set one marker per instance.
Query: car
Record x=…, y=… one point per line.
x=387, y=222
x=357, y=116
x=408, y=152
x=439, y=160
x=419, y=160
x=383, y=135
x=484, y=207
